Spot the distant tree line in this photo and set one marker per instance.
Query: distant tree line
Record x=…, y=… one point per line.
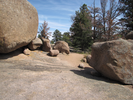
x=91, y=24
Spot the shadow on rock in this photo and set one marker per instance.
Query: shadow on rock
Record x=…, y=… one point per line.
x=48, y=54
x=11, y=54
x=93, y=74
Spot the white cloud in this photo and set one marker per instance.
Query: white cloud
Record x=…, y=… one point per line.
x=55, y=25
x=53, y=5
x=67, y=9
x=59, y=26
x=47, y=17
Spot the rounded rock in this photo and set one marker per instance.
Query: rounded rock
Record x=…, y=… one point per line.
x=18, y=26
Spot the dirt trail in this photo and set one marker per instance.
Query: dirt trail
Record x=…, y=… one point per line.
x=73, y=58
x=40, y=77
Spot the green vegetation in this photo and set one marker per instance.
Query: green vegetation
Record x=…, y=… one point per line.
x=126, y=7
x=95, y=24
x=52, y=42
x=67, y=38
x=57, y=36
x=81, y=28
x=82, y=60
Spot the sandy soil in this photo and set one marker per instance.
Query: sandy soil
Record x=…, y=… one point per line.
x=73, y=58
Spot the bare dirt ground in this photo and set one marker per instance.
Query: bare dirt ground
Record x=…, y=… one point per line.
x=41, y=77
x=73, y=58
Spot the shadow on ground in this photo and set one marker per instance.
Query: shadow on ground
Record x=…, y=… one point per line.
x=11, y=54
x=48, y=54
x=93, y=74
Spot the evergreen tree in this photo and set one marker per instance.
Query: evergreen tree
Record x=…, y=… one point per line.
x=81, y=28
x=57, y=36
x=66, y=37
x=126, y=7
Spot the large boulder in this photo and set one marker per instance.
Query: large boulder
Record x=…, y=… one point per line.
x=62, y=46
x=18, y=24
x=35, y=44
x=129, y=35
x=26, y=51
x=114, y=59
x=46, y=45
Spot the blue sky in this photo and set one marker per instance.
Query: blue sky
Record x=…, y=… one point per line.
x=58, y=12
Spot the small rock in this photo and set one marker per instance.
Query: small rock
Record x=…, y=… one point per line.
x=26, y=51
x=84, y=59
x=54, y=52
x=81, y=65
x=36, y=43
x=46, y=45
x=88, y=58
x=129, y=35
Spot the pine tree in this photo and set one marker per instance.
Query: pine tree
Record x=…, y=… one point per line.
x=81, y=28
x=57, y=36
x=126, y=7
x=66, y=37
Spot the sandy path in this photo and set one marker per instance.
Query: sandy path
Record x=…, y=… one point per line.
x=73, y=58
